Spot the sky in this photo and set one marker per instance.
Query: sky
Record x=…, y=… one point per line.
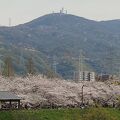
x=22, y=11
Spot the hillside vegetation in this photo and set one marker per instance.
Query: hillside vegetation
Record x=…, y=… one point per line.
x=63, y=36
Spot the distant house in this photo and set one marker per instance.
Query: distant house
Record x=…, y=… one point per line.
x=8, y=100
x=87, y=76
x=104, y=77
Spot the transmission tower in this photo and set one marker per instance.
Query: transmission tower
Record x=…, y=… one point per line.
x=80, y=64
x=110, y=60
x=54, y=64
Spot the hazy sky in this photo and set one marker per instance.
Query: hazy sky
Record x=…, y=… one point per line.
x=21, y=11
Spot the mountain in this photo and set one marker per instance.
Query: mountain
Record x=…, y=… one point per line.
x=58, y=39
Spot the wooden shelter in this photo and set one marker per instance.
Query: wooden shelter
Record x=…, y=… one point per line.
x=7, y=99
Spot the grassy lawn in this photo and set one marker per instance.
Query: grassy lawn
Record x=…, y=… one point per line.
x=62, y=114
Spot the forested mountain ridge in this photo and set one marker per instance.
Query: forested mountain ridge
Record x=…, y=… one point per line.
x=63, y=36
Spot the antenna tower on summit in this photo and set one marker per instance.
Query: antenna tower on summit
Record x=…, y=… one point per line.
x=63, y=11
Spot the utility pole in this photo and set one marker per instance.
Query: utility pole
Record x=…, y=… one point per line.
x=82, y=98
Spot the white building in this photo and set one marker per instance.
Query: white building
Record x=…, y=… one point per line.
x=86, y=76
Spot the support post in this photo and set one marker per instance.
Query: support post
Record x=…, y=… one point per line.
x=10, y=104
x=0, y=105
x=18, y=104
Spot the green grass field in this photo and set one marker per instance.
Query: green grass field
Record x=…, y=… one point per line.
x=62, y=114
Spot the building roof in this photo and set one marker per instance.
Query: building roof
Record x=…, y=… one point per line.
x=5, y=95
